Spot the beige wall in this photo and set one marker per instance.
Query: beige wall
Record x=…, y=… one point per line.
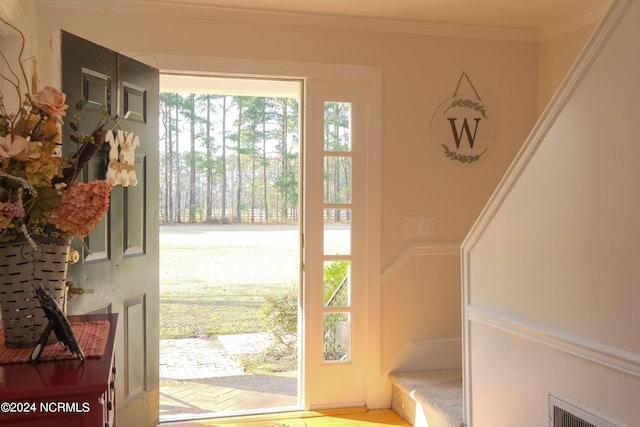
x=421, y=291
x=421, y=297
x=556, y=55
x=421, y=301
x=10, y=43
x=552, y=287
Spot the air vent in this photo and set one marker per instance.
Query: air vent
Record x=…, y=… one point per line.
x=564, y=414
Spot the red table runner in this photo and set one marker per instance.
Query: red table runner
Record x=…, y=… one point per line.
x=91, y=337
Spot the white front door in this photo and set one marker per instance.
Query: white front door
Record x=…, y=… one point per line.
x=334, y=235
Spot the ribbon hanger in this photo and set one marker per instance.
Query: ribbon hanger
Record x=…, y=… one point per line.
x=464, y=75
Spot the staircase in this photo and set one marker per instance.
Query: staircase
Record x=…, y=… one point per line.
x=428, y=398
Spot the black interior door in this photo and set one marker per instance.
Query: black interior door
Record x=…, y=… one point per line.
x=120, y=259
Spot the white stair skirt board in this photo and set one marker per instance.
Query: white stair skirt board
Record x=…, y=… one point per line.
x=428, y=398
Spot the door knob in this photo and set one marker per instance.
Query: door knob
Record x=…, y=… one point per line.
x=73, y=256
x=73, y=290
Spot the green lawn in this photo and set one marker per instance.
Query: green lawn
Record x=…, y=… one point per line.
x=214, y=278
x=195, y=309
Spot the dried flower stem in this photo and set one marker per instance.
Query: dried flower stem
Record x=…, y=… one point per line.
x=23, y=182
x=26, y=234
x=16, y=84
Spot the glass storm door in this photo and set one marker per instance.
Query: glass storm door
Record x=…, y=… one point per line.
x=333, y=304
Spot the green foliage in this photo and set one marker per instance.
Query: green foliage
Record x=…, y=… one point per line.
x=281, y=317
x=333, y=350
x=467, y=103
x=334, y=274
x=462, y=158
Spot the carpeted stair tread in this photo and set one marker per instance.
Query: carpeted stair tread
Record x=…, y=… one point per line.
x=439, y=394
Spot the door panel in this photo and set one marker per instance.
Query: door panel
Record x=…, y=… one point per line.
x=135, y=350
x=134, y=230
x=96, y=91
x=120, y=258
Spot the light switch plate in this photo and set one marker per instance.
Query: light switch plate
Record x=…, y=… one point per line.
x=419, y=226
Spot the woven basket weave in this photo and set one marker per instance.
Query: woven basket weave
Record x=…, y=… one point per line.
x=22, y=269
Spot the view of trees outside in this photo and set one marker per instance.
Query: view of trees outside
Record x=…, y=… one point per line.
x=235, y=159
x=228, y=159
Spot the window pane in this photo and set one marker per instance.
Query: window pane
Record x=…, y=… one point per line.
x=337, y=126
x=337, y=232
x=337, y=290
x=337, y=337
x=337, y=179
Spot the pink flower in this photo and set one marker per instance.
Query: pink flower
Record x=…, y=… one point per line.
x=17, y=147
x=8, y=211
x=11, y=209
x=51, y=101
x=81, y=208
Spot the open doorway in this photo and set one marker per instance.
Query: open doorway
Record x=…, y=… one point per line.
x=229, y=246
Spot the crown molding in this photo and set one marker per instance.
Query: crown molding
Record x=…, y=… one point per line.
x=199, y=11
x=590, y=16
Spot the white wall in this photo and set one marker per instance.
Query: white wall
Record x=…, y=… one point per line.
x=551, y=268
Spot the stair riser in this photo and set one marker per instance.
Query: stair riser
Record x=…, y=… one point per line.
x=403, y=405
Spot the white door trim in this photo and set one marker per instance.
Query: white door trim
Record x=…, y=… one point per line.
x=376, y=393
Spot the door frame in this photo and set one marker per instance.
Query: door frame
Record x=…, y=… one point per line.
x=376, y=387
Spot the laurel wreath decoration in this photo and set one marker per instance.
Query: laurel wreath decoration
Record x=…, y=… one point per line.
x=468, y=103
x=462, y=158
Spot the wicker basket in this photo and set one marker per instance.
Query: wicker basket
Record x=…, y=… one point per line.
x=22, y=269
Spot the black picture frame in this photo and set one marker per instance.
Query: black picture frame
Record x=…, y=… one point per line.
x=60, y=325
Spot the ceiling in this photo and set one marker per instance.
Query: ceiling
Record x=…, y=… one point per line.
x=404, y=15
x=506, y=19
x=517, y=14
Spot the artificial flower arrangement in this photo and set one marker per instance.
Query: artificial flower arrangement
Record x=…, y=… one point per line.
x=39, y=192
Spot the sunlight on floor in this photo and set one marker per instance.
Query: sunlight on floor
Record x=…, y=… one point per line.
x=346, y=417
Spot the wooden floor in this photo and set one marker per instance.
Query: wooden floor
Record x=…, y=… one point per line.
x=346, y=417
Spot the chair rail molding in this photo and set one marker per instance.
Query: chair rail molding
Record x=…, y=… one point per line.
x=607, y=356
x=417, y=249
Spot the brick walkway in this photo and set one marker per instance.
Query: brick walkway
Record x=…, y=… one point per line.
x=201, y=377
